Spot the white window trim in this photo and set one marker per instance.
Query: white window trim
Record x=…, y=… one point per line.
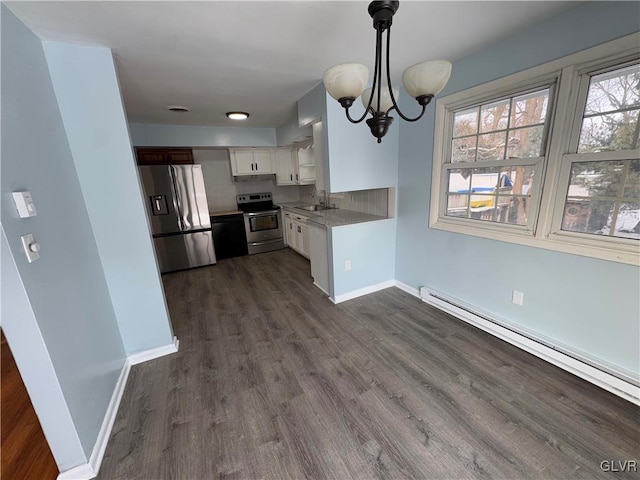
x=543, y=232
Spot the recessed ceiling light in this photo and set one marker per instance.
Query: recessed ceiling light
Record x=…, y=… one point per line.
x=237, y=115
x=177, y=108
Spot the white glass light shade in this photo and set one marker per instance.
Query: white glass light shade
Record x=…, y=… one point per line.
x=426, y=78
x=385, y=99
x=346, y=80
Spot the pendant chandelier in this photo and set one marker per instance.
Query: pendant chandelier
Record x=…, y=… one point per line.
x=347, y=81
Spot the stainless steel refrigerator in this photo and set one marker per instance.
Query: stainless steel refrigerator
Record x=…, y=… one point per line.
x=179, y=216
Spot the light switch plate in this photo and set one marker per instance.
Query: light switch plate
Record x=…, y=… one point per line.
x=24, y=204
x=27, y=243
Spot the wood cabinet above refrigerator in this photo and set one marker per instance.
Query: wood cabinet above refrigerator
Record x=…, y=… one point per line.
x=163, y=156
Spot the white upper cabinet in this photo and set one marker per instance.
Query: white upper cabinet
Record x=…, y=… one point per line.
x=250, y=161
x=306, y=166
x=285, y=163
x=294, y=166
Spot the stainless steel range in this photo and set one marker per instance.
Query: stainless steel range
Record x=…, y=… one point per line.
x=262, y=221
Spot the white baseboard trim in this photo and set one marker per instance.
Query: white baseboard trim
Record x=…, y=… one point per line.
x=362, y=291
x=90, y=469
x=153, y=353
x=81, y=472
x=407, y=288
x=109, y=418
x=541, y=348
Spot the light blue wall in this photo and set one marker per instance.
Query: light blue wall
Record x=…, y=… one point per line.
x=148, y=134
x=86, y=86
x=290, y=132
x=590, y=305
x=370, y=247
x=66, y=288
x=34, y=362
x=356, y=160
x=352, y=158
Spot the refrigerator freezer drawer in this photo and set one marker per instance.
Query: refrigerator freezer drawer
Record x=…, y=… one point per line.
x=178, y=252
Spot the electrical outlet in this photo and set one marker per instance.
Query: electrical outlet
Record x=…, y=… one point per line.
x=347, y=265
x=517, y=297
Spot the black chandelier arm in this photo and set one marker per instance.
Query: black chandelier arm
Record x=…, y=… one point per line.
x=393, y=99
x=377, y=67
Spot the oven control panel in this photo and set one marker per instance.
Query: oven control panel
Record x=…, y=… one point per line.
x=253, y=197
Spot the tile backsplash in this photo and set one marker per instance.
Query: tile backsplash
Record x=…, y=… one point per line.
x=374, y=202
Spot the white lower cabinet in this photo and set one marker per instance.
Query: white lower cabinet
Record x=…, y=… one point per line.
x=297, y=233
x=319, y=256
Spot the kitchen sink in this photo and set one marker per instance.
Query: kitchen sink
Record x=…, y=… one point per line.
x=313, y=208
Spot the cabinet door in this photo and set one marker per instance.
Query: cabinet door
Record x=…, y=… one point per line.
x=151, y=156
x=319, y=257
x=262, y=161
x=242, y=162
x=285, y=174
x=180, y=156
x=303, y=240
x=291, y=233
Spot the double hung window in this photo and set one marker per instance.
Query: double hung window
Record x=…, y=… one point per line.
x=600, y=178
x=548, y=157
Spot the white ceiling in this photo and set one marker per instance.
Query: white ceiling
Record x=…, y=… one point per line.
x=261, y=56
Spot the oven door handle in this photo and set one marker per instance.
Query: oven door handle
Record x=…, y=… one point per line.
x=260, y=214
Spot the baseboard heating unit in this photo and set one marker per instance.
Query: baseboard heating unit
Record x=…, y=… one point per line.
x=621, y=383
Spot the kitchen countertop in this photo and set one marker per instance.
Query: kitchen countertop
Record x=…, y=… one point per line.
x=228, y=212
x=332, y=217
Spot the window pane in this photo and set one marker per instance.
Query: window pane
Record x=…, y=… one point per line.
x=632, y=185
x=465, y=122
x=518, y=178
x=613, y=91
x=494, y=116
x=491, y=146
x=596, y=179
x=492, y=194
x=481, y=201
x=628, y=221
x=463, y=149
x=530, y=109
x=459, y=180
x=457, y=205
x=613, y=131
x=513, y=209
x=525, y=142
x=587, y=216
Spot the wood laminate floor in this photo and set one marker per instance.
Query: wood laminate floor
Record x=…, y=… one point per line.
x=272, y=381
